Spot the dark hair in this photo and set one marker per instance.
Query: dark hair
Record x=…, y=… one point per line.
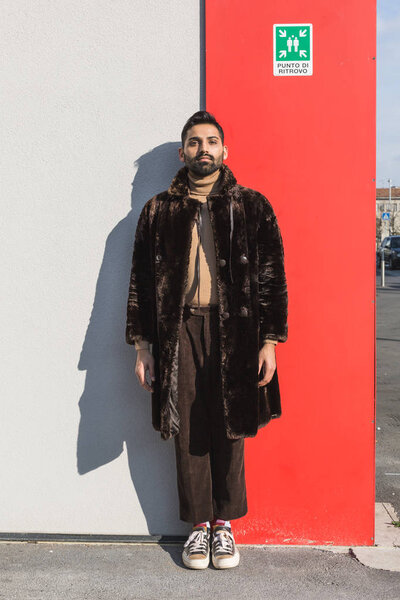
x=201, y=116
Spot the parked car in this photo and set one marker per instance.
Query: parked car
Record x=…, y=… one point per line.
x=391, y=251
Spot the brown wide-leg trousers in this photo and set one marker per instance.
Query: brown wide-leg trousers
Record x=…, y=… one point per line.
x=210, y=467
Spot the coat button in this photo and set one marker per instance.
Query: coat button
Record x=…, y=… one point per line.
x=222, y=262
x=158, y=257
x=243, y=259
x=225, y=315
x=243, y=311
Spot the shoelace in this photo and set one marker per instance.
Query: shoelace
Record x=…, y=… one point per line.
x=197, y=542
x=223, y=542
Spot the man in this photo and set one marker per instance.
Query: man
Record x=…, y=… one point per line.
x=208, y=291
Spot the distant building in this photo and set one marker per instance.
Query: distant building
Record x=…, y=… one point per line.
x=392, y=226
x=382, y=200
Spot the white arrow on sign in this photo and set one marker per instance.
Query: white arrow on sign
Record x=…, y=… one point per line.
x=303, y=32
x=282, y=53
x=303, y=53
x=282, y=32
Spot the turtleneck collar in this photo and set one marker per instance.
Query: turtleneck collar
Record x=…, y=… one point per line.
x=202, y=186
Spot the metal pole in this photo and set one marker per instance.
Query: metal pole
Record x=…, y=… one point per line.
x=390, y=201
x=382, y=268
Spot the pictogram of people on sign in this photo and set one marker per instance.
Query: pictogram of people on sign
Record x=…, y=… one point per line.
x=292, y=41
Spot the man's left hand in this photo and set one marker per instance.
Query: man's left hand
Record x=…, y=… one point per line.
x=267, y=361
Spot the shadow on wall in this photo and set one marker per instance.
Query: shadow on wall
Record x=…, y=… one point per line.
x=114, y=407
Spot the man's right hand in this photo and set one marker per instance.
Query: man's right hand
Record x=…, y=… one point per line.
x=144, y=363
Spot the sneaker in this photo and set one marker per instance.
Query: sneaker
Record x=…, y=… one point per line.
x=196, y=549
x=223, y=548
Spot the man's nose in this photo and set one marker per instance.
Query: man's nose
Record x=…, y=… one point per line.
x=203, y=148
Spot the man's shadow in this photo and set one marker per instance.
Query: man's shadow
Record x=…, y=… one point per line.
x=114, y=407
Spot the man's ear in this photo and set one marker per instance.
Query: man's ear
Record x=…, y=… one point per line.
x=181, y=157
x=225, y=152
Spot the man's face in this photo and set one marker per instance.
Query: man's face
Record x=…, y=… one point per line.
x=203, y=152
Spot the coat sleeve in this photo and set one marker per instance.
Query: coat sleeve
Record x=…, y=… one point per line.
x=139, y=320
x=272, y=284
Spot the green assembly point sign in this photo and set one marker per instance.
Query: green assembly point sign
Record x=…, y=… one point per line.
x=293, y=49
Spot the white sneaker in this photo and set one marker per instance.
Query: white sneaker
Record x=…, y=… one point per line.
x=223, y=548
x=196, y=549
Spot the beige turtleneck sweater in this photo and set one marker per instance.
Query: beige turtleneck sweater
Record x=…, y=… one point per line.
x=200, y=188
x=207, y=292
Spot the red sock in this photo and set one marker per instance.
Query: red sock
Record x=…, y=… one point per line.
x=204, y=524
x=216, y=522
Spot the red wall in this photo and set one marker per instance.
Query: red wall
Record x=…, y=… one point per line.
x=308, y=144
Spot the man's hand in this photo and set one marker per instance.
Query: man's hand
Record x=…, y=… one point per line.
x=144, y=363
x=267, y=360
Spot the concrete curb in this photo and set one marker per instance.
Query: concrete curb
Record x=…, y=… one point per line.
x=384, y=554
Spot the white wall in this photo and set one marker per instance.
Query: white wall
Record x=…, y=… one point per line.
x=95, y=94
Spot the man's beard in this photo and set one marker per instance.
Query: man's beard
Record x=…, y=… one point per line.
x=203, y=168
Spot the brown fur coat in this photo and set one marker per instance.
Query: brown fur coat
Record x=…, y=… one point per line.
x=253, y=302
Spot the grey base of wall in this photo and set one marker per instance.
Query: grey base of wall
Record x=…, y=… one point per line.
x=87, y=538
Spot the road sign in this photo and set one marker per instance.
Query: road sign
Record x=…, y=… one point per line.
x=293, y=49
x=385, y=216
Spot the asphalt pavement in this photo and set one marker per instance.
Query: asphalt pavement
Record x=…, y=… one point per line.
x=49, y=571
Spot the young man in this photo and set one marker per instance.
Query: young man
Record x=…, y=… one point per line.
x=208, y=291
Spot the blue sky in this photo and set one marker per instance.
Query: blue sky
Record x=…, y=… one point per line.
x=388, y=93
